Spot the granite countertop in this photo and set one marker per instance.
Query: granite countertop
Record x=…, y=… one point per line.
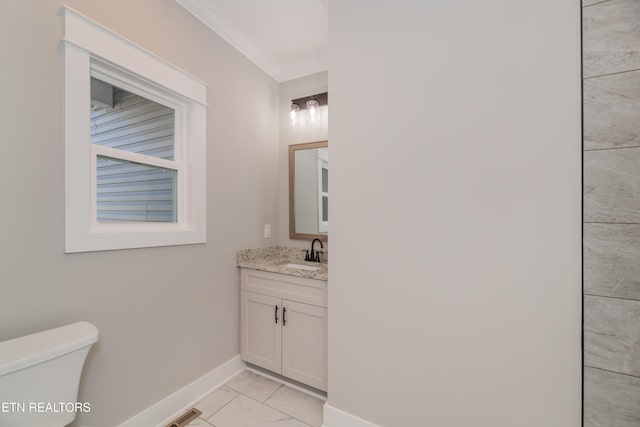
x=272, y=259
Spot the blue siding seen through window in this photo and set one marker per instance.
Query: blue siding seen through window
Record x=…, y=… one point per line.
x=128, y=191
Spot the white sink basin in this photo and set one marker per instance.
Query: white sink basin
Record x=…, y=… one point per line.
x=300, y=267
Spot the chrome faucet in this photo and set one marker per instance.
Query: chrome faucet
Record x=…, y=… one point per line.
x=314, y=255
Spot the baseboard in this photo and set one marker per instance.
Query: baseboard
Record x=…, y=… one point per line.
x=170, y=407
x=334, y=417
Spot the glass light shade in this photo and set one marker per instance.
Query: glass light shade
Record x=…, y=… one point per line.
x=294, y=113
x=312, y=109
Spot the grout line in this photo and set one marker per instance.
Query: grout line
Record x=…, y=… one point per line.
x=595, y=4
x=288, y=415
x=264, y=404
x=611, y=223
x=280, y=384
x=610, y=148
x=611, y=74
x=199, y=419
x=274, y=392
x=239, y=393
x=288, y=384
x=292, y=416
x=202, y=419
x=275, y=409
x=252, y=398
x=612, y=372
x=256, y=400
x=611, y=297
x=224, y=406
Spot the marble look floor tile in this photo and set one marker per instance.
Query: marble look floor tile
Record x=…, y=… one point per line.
x=612, y=185
x=215, y=400
x=297, y=404
x=612, y=111
x=590, y=2
x=611, y=334
x=253, y=385
x=611, y=254
x=199, y=422
x=610, y=399
x=610, y=37
x=246, y=412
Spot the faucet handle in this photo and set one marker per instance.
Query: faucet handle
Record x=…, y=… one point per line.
x=318, y=255
x=306, y=257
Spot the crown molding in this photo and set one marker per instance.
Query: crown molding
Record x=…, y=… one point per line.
x=207, y=13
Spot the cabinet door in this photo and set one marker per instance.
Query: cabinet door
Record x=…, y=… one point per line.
x=304, y=344
x=260, y=334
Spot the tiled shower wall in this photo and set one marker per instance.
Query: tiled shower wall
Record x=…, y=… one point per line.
x=611, y=66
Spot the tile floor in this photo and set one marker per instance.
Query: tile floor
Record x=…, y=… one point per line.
x=251, y=400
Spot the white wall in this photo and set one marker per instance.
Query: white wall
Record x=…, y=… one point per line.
x=455, y=290
x=298, y=134
x=166, y=315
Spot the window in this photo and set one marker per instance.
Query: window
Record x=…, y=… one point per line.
x=132, y=140
x=135, y=137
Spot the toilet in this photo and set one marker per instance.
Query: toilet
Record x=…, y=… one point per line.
x=40, y=374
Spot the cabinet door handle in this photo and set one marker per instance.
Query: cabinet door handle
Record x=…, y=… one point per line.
x=284, y=313
x=276, y=314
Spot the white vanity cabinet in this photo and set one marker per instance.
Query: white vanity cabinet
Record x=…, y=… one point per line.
x=284, y=325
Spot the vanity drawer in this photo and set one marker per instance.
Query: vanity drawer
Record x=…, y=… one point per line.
x=294, y=288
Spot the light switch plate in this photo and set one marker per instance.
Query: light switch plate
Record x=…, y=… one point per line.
x=267, y=231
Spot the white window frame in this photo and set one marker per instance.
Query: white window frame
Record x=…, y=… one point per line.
x=92, y=50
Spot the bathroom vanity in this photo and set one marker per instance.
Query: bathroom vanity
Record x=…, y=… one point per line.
x=284, y=314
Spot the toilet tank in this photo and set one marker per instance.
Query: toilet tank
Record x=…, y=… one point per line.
x=40, y=374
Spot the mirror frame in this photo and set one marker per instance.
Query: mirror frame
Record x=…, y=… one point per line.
x=292, y=218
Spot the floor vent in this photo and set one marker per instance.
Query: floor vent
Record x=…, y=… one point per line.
x=185, y=418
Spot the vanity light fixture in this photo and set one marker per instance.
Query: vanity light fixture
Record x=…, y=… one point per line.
x=309, y=103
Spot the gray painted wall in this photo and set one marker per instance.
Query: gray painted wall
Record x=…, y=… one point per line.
x=293, y=89
x=173, y=313
x=612, y=213
x=455, y=284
